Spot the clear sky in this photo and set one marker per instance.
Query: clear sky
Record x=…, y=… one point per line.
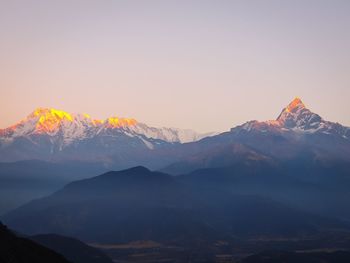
x=206, y=65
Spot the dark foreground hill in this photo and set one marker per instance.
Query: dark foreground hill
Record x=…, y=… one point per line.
x=46, y=248
x=72, y=249
x=15, y=249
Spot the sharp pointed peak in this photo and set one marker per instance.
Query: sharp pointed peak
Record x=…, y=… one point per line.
x=295, y=103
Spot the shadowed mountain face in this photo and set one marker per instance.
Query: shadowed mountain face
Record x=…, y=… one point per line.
x=311, y=186
x=220, y=155
x=14, y=249
x=138, y=204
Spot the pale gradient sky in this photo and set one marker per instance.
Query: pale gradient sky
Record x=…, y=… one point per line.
x=206, y=65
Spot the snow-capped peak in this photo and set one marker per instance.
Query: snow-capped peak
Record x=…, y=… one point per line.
x=65, y=128
x=295, y=105
x=116, y=122
x=293, y=108
x=50, y=120
x=296, y=115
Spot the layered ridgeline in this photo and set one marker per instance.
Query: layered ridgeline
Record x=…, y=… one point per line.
x=283, y=182
x=50, y=134
x=138, y=204
x=50, y=148
x=237, y=210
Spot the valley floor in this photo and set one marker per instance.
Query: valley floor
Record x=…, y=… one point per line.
x=222, y=251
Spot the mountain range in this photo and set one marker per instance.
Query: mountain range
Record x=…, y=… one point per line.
x=50, y=134
x=296, y=135
x=118, y=143
x=283, y=182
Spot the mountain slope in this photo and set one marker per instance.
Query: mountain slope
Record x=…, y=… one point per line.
x=221, y=155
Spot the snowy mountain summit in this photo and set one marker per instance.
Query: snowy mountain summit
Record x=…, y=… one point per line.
x=52, y=134
x=55, y=135
x=296, y=115
x=70, y=127
x=298, y=118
